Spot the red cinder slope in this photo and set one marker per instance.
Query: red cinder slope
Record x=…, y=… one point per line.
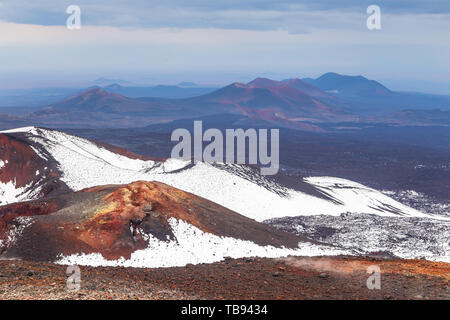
x=13, y=152
x=23, y=166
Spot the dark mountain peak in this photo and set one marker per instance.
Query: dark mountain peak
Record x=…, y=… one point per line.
x=237, y=85
x=96, y=94
x=340, y=77
x=265, y=83
x=114, y=86
x=293, y=80
x=349, y=85
x=228, y=92
x=297, y=84
x=331, y=74
x=92, y=92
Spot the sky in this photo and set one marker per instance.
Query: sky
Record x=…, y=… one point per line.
x=218, y=42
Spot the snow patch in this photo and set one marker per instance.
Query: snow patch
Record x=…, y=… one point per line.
x=361, y=199
x=15, y=231
x=9, y=193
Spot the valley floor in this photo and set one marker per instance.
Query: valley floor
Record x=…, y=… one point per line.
x=248, y=278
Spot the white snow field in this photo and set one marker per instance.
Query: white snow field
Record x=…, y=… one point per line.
x=84, y=164
x=10, y=193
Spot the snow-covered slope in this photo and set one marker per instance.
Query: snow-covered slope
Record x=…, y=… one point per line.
x=84, y=164
x=143, y=224
x=194, y=246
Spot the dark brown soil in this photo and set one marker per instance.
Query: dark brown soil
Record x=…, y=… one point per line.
x=287, y=278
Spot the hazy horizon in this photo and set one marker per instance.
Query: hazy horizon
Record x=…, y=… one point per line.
x=26, y=83
x=167, y=42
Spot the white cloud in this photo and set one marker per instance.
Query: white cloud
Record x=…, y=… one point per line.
x=408, y=46
x=350, y=30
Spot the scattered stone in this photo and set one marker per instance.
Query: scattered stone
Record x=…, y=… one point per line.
x=261, y=280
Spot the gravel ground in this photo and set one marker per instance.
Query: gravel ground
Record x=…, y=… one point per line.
x=252, y=278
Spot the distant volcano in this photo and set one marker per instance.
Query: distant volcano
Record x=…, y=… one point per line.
x=278, y=101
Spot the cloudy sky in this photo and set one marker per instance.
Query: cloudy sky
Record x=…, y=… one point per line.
x=216, y=42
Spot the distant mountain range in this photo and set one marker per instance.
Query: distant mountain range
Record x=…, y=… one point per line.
x=39, y=97
x=294, y=103
x=285, y=103
x=183, y=90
